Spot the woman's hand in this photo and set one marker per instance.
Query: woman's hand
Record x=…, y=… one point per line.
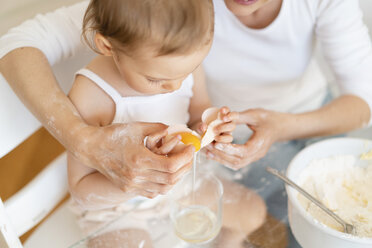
x=343, y=114
x=267, y=126
x=118, y=152
x=224, y=130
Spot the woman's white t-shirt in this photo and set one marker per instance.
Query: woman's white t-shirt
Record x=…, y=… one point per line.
x=270, y=68
x=274, y=67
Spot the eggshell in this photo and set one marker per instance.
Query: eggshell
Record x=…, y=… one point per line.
x=211, y=118
x=178, y=128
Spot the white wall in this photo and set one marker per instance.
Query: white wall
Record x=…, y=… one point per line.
x=13, y=12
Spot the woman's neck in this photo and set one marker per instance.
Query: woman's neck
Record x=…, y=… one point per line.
x=262, y=17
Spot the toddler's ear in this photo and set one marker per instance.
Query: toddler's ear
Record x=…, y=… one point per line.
x=103, y=45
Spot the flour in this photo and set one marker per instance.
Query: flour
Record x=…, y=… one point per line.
x=343, y=188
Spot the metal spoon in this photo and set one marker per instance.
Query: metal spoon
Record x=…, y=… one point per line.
x=348, y=228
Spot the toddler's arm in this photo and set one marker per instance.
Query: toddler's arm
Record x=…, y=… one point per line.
x=88, y=186
x=92, y=189
x=200, y=99
x=200, y=102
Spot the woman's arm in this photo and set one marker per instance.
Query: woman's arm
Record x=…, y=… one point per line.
x=31, y=78
x=26, y=53
x=346, y=113
x=347, y=48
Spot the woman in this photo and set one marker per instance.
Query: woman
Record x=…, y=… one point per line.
x=267, y=48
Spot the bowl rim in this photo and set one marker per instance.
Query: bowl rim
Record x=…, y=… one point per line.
x=291, y=195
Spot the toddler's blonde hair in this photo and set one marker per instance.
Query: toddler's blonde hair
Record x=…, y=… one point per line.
x=167, y=26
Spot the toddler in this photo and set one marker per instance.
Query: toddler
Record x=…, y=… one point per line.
x=148, y=70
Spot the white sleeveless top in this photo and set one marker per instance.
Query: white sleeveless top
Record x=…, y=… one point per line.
x=169, y=108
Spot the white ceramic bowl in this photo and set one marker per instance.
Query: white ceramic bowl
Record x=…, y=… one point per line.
x=309, y=232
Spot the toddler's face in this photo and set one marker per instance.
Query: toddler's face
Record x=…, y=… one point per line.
x=242, y=8
x=150, y=74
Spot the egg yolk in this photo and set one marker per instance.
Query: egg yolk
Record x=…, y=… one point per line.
x=190, y=139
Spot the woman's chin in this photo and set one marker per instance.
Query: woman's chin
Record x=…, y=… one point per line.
x=244, y=7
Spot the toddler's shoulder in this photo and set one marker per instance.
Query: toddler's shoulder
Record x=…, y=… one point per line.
x=93, y=104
